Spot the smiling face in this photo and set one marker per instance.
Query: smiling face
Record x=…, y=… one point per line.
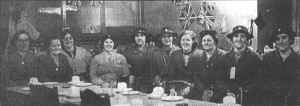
x=282, y=42
x=68, y=40
x=239, y=40
x=55, y=46
x=22, y=42
x=140, y=39
x=208, y=43
x=108, y=44
x=186, y=42
x=167, y=40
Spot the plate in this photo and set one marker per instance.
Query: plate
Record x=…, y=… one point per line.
x=76, y=82
x=172, y=98
x=25, y=88
x=130, y=92
x=50, y=83
x=151, y=96
x=123, y=90
x=83, y=84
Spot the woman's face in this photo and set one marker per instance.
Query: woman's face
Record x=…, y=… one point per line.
x=68, y=40
x=140, y=39
x=186, y=42
x=55, y=46
x=282, y=42
x=108, y=44
x=166, y=40
x=208, y=42
x=22, y=42
x=239, y=40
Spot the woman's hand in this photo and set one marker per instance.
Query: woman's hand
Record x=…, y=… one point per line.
x=186, y=90
x=131, y=80
x=207, y=95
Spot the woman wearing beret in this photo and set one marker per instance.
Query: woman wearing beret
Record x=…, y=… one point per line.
x=239, y=69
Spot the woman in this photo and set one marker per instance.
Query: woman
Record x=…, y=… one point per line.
x=181, y=62
x=78, y=57
x=161, y=57
x=108, y=66
x=54, y=66
x=139, y=56
x=18, y=65
x=206, y=76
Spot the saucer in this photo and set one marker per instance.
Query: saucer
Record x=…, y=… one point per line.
x=172, y=98
x=123, y=90
x=50, y=83
x=130, y=92
x=151, y=96
x=72, y=82
x=25, y=88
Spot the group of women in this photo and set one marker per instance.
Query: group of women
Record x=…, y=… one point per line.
x=196, y=68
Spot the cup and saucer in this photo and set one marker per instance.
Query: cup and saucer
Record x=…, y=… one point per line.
x=76, y=82
x=157, y=93
x=122, y=87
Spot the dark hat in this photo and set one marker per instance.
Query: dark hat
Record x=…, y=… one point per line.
x=166, y=31
x=240, y=29
x=283, y=30
x=140, y=30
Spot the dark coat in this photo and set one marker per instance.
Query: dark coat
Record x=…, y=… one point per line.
x=46, y=69
x=281, y=76
x=17, y=69
x=248, y=68
x=205, y=73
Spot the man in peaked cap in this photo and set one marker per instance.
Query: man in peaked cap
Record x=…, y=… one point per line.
x=281, y=69
x=238, y=69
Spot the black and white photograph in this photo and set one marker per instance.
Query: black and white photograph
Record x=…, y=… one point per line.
x=149, y=53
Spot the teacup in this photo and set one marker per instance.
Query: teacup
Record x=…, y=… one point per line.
x=75, y=79
x=34, y=81
x=158, y=91
x=122, y=85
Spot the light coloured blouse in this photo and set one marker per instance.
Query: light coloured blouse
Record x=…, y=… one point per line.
x=108, y=66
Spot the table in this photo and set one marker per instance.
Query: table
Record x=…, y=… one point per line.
x=67, y=96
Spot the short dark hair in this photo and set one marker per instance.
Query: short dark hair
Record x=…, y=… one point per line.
x=105, y=37
x=17, y=35
x=211, y=33
x=140, y=30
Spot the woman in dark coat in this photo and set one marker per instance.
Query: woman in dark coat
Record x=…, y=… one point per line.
x=239, y=69
x=161, y=57
x=206, y=69
x=180, y=65
x=281, y=70
x=53, y=66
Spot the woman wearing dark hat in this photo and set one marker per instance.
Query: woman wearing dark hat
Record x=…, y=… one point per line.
x=139, y=57
x=108, y=66
x=281, y=68
x=238, y=70
x=206, y=69
x=161, y=57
